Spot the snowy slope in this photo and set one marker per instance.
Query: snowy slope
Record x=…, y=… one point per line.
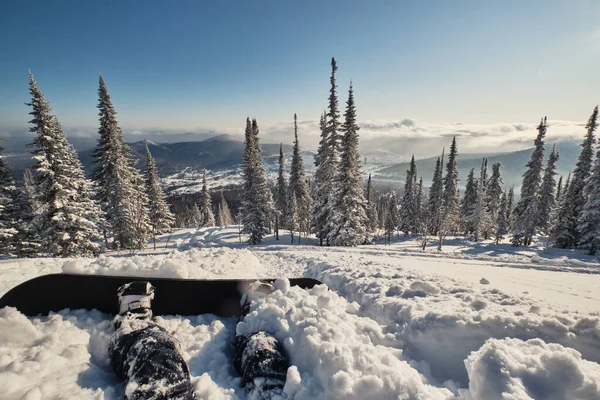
x=474, y=322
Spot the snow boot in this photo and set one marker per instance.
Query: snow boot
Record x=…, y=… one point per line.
x=134, y=300
x=259, y=357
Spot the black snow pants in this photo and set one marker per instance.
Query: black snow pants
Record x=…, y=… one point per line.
x=150, y=361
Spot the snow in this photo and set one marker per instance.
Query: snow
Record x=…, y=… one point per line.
x=472, y=322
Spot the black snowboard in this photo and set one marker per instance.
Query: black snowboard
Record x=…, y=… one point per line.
x=56, y=292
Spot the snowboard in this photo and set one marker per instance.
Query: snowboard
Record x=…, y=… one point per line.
x=55, y=292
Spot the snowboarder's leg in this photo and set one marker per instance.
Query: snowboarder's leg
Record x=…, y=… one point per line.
x=259, y=357
x=145, y=354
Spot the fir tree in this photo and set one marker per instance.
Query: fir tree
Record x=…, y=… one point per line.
x=348, y=221
x=292, y=216
x=298, y=186
x=510, y=199
x=120, y=187
x=482, y=220
x=194, y=219
x=420, y=218
x=280, y=194
x=469, y=202
x=391, y=220
x=434, y=203
x=224, y=214
x=371, y=208
x=333, y=116
x=546, y=200
x=493, y=199
x=502, y=221
x=161, y=218
x=8, y=194
x=29, y=186
x=68, y=221
x=207, y=218
x=450, y=206
x=324, y=175
x=257, y=200
x=524, y=216
x=565, y=233
x=588, y=226
x=558, y=190
x=408, y=205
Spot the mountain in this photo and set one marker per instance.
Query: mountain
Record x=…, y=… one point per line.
x=513, y=164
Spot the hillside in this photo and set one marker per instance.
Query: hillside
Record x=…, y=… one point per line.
x=513, y=164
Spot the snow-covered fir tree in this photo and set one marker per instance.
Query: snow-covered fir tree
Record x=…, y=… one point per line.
x=588, y=226
x=8, y=194
x=494, y=195
x=502, y=220
x=450, y=205
x=434, y=202
x=120, y=187
x=161, y=218
x=69, y=220
x=207, y=217
x=292, y=218
x=408, y=205
x=224, y=217
x=468, y=204
x=372, y=217
x=298, y=186
x=546, y=199
x=30, y=190
x=280, y=194
x=510, y=200
x=524, y=216
x=391, y=217
x=558, y=190
x=324, y=174
x=194, y=217
x=257, y=207
x=564, y=233
x=482, y=218
x=420, y=216
x=348, y=221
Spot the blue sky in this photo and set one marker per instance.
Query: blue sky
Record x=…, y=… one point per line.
x=207, y=64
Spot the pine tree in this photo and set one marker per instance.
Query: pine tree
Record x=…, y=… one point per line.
x=502, y=220
x=194, y=219
x=510, y=199
x=468, y=204
x=292, y=216
x=225, y=218
x=588, y=226
x=207, y=218
x=482, y=220
x=298, y=186
x=434, y=203
x=333, y=117
x=371, y=208
x=408, y=205
x=120, y=187
x=8, y=192
x=324, y=175
x=493, y=199
x=565, y=233
x=280, y=194
x=29, y=186
x=420, y=218
x=257, y=200
x=558, y=190
x=450, y=209
x=68, y=221
x=391, y=220
x=348, y=221
x=524, y=216
x=546, y=200
x=161, y=218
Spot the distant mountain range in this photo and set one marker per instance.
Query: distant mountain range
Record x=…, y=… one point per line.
x=513, y=164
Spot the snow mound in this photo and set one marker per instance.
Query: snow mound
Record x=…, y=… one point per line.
x=439, y=324
x=335, y=354
x=484, y=281
x=533, y=369
x=195, y=263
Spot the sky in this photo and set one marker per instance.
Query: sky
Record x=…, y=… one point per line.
x=206, y=65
